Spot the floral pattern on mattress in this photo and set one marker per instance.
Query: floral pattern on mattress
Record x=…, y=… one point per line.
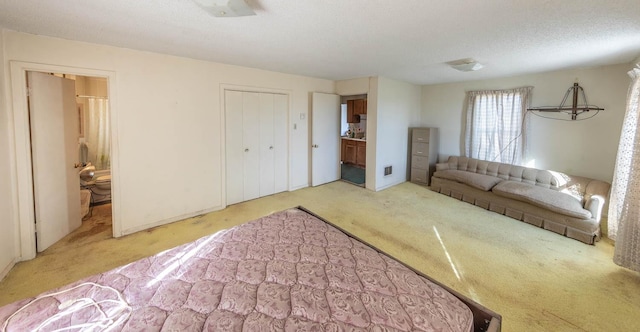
x=288, y=271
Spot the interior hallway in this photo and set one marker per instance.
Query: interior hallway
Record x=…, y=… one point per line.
x=537, y=280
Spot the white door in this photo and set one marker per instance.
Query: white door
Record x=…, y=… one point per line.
x=256, y=144
x=267, y=156
x=54, y=149
x=325, y=138
x=251, y=144
x=280, y=140
x=234, y=147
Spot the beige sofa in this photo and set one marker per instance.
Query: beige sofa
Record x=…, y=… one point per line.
x=565, y=204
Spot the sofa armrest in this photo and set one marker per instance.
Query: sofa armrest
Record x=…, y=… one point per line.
x=442, y=166
x=595, y=195
x=595, y=204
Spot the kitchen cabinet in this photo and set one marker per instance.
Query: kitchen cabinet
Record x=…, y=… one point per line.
x=361, y=153
x=349, y=155
x=256, y=144
x=354, y=152
x=351, y=116
x=424, y=154
x=355, y=108
x=360, y=106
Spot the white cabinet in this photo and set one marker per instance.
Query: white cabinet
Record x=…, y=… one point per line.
x=256, y=144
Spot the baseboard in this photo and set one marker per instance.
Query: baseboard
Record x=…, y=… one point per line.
x=299, y=187
x=169, y=220
x=7, y=268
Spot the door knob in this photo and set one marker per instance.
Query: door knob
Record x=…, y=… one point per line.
x=246, y=150
x=315, y=146
x=271, y=147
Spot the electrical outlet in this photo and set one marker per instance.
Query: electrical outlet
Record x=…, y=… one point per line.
x=388, y=170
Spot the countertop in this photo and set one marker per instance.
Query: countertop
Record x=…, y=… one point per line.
x=354, y=139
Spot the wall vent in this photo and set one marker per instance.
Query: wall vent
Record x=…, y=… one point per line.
x=387, y=170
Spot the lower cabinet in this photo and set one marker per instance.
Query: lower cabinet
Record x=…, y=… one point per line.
x=354, y=152
x=361, y=153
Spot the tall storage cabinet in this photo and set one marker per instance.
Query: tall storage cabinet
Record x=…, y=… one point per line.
x=424, y=154
x=256, y=144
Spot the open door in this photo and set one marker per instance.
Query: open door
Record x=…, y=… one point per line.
x=325, y=138
x=54, y=148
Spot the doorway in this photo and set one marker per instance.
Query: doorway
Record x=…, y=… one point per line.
x=24, y=184
x=353, y=139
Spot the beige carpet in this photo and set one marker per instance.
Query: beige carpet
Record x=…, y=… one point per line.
x=537, y=280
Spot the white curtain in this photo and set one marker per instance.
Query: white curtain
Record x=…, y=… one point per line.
x=496, y=124
x=98, y=137
x=624, y=205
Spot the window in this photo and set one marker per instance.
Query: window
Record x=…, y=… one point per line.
x=495, y=127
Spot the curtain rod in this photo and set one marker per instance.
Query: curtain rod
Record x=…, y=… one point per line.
x=97, y=97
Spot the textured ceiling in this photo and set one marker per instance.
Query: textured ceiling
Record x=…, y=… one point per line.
x=408, y=40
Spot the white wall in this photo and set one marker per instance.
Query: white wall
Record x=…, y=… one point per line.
x=8, y=245
x=356, y=86
x=170, y=120
x=397, y=109
x=586, y=148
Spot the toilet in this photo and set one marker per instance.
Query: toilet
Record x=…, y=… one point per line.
x=98, y=182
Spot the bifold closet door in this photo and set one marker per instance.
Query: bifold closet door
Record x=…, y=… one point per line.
x=267, y=158
x=281, y=140
x=234, y=147
x=256, y=144
x=251, y=144
x=273, y=143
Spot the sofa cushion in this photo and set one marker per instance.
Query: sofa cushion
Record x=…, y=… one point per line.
x=478, y=181
x=545, y=198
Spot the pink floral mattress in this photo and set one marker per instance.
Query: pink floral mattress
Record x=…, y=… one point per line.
x=287, y=271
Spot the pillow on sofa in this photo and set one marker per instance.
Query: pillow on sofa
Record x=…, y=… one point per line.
x=478, y=181
x=545, y=198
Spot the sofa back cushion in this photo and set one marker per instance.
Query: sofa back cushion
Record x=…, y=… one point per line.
x=532, y=176
x=478, y=181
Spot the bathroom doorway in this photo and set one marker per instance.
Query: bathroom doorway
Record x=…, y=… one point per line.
x=94, y=155
x=25, y=222
x=77, y=168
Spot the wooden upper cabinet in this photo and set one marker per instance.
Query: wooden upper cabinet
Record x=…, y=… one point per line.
x=352, y=117
x=359, y=107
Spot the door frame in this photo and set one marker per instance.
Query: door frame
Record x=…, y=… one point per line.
x=22, y=186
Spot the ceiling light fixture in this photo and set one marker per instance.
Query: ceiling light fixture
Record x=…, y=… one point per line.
x=226, y=8
x=465, y=65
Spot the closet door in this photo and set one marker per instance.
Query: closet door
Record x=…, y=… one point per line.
x=281, y=142
x=256, y=145
x=251, y=142
x=267, y=170
x=234, y=146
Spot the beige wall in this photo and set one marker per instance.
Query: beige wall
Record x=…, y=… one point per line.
x=398, y=108
x=8, y=235
x=356, y=86
x=169, y=120
x=585, y=148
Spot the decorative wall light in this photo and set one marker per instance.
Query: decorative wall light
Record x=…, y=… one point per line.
x=575, y=109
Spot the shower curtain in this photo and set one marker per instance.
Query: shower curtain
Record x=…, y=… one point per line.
x=99, y=139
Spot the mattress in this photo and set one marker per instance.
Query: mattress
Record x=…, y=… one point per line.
x=289, y=271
